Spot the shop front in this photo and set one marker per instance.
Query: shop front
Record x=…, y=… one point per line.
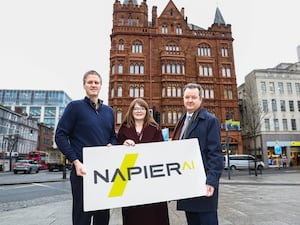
x=295, y=153
x=283, y=153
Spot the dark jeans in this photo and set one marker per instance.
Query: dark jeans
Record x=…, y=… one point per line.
x=202, y=218
x=100, y=217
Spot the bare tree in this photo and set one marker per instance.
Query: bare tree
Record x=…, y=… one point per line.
x=251, y=116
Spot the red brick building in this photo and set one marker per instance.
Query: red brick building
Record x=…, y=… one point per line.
x=155, y=59
x=45, y=137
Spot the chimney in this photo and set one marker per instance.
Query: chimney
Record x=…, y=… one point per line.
x=182, y=12
x=154, y=15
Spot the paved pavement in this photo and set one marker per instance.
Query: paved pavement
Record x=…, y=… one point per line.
x=268, y=199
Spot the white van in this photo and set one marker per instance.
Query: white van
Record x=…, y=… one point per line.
x=242, y=162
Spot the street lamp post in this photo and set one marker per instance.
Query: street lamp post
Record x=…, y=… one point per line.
x=227, y=151
x=12, y=140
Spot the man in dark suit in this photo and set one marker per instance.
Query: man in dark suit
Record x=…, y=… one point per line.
x=206, y=128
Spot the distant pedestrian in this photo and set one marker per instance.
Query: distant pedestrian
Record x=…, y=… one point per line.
x=279, y=162
x=284, y=161
x=85, y=123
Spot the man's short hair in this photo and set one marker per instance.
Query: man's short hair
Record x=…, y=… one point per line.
x=193, y=86
x=91, y=72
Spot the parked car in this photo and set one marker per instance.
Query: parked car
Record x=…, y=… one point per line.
x=26, y=166
x=242, y=162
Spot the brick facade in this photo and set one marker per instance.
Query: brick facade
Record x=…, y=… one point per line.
x=155, y=59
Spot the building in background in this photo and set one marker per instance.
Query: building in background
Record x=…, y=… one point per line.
x=18, y=136
x=46, y=106
x=155, y=59
x=275, y=93
x=45, y=138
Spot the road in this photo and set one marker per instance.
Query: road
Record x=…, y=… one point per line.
x=269, y=199
x=34, y=193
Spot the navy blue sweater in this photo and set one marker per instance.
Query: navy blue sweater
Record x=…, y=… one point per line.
x=81, y=125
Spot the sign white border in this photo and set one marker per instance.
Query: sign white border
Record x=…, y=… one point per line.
x=119, y=176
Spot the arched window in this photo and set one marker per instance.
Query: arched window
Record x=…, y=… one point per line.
x=142, y=92
x=113, y=69
x=112, y=92
x=174, y=91
x=173, y=68
x=178, y=29
x=136, y=92
x=119, y=116
x=131, y=91
x=137, y=47
x=204, y=50
x=226, y=72
x=164, y=29
x=224, y=51
x=172, y=49
x=205, y=70
x=129, y=21
x=212, y=93
x=178, y=68
x=136, y=69
x=169, y=93
x=174, y=117
x=120, y=91
x=131, y=69
x=141, y=69
x=179, y=92
x=169, y=117
x=120, y=68
x=121, y=45
x=168, y=68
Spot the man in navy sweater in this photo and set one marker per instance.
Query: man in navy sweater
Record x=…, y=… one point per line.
x=85, y=123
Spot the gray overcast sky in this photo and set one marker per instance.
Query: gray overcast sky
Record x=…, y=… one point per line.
x=50, y=44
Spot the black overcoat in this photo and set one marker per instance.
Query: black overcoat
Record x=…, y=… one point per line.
x=206, y=128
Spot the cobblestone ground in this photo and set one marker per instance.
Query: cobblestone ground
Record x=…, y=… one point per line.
x=259, y=205
x=263, y=200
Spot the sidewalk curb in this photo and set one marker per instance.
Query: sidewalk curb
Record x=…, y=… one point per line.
x=32, y=182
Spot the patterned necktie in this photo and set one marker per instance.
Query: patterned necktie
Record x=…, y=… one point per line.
x=186, y=122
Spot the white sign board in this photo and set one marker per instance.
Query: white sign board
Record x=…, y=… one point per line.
x=120, y=176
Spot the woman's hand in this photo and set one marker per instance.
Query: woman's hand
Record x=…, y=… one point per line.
x=129, y=142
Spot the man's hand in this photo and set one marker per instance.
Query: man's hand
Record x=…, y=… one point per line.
x=209, y=190
x=80, y=170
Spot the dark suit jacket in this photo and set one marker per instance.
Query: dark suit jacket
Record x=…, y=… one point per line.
x=206, y=128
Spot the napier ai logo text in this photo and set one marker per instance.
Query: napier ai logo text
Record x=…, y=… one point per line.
x=126, y=172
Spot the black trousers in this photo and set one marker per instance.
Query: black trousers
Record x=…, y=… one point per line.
x=202, y=218
x=79, y=217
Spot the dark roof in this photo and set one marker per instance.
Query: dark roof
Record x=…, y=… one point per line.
x=219, y=18
x=133, y=1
